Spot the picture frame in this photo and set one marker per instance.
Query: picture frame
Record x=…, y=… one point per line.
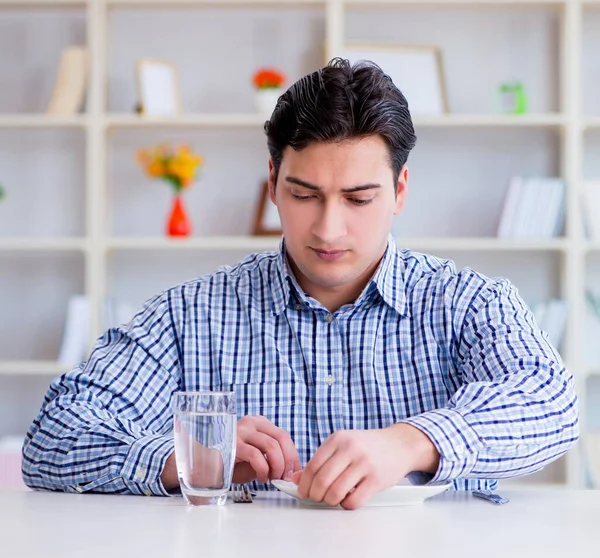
x=70, y=83
x=158, y=87
x=266, y=219
x=417, y=70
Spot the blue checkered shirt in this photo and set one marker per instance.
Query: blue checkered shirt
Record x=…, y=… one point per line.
x=454, y=353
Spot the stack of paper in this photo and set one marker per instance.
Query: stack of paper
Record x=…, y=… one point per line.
x=591, y=209
x=533, y=208
x=76, y=337
x=591, y=447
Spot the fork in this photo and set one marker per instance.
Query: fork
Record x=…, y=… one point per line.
x=241, y=494
x=490, y=497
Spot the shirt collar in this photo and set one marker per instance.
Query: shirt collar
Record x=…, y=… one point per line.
x=280, y=287
x=388, y=280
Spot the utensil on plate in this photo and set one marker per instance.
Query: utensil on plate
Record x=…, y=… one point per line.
x=490, y=496
x=241, y=494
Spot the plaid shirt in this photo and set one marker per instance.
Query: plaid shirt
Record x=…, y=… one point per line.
x=454, y=353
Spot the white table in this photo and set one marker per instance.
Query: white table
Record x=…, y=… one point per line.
x=534, y=524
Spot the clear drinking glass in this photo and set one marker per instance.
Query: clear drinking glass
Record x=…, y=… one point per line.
x=205, y=440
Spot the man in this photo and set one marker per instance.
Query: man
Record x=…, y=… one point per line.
x=356, y=364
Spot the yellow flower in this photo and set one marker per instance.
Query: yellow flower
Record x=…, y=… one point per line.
x=177, y=166
x=156, y=169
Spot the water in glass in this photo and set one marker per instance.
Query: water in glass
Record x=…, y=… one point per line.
x=205, y=440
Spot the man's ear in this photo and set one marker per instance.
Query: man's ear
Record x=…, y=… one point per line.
x=401, y=189
x=272, y=181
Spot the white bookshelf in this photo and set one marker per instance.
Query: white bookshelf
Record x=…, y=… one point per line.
x=32, y=367
x=112, y=240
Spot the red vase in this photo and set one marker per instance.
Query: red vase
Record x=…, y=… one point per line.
x=179, y=222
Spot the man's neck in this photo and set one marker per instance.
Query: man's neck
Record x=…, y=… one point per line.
x=333, y=298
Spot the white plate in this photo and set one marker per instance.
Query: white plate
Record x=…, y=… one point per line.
x=403, y=494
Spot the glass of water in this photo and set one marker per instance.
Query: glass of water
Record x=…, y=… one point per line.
x=205, y=440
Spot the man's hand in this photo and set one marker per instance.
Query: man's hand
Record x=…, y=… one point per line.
x=353, y=465
x=264, y=451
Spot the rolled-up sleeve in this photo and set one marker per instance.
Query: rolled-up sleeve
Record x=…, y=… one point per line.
x=515, y=410
x=106, y=426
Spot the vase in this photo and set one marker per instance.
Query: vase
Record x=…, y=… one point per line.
x=265, y=100
x=179, y=223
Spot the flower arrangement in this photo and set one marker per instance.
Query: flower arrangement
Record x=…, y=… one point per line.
x=268, y=83
x=268, y=78
x=178, y=166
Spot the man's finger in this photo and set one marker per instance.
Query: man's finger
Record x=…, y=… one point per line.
x=313, y=466
x=243, y=472
x=361, y=495
x=345, y=486
x=271, y=448
x=252, y=455
x=326, y=476
x=289, y=450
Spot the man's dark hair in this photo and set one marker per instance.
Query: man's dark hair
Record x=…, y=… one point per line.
x=340, y=102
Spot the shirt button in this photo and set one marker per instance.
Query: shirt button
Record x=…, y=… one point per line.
x=79, y=489
x=329, y=380
x=147, y=492
x=140, y=474
x=298, y=306
x=328, y=318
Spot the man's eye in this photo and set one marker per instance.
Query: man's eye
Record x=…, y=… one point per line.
x=360, y=201
x=297, y=197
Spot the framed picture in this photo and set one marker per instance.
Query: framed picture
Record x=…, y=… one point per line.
x=266, y=220
x=416, y=70
x=71, y=81
x=158, y=86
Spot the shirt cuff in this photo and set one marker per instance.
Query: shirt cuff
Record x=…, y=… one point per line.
x=455, y=440
x=144, y=464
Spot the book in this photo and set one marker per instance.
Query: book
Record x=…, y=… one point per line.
x=551, y=317
x=591, y=209
x=76, y=334
x=511, y=202
x=533, y=208
x=70, y=82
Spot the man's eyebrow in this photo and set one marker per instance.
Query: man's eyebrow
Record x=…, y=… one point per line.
x=315, y=188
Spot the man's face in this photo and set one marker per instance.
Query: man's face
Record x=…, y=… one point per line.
x=336, y=202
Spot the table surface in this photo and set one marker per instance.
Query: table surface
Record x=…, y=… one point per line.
x=535, y=523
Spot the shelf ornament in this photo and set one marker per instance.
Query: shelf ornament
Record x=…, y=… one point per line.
x=178, y=166
x=268, y=83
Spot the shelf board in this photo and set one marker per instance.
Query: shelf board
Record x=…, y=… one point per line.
x=41, y=121
x=271, y=242
x=40, y=244
x=592, y=246
x=454, y=3
x=482, y=244
x=253, y=120
x=188, y=120
x=591, y=122
x=41, y=3
x=589, y=372
x=31, y=367
x=491, y=120
x=218, y=3
x=195, y=243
